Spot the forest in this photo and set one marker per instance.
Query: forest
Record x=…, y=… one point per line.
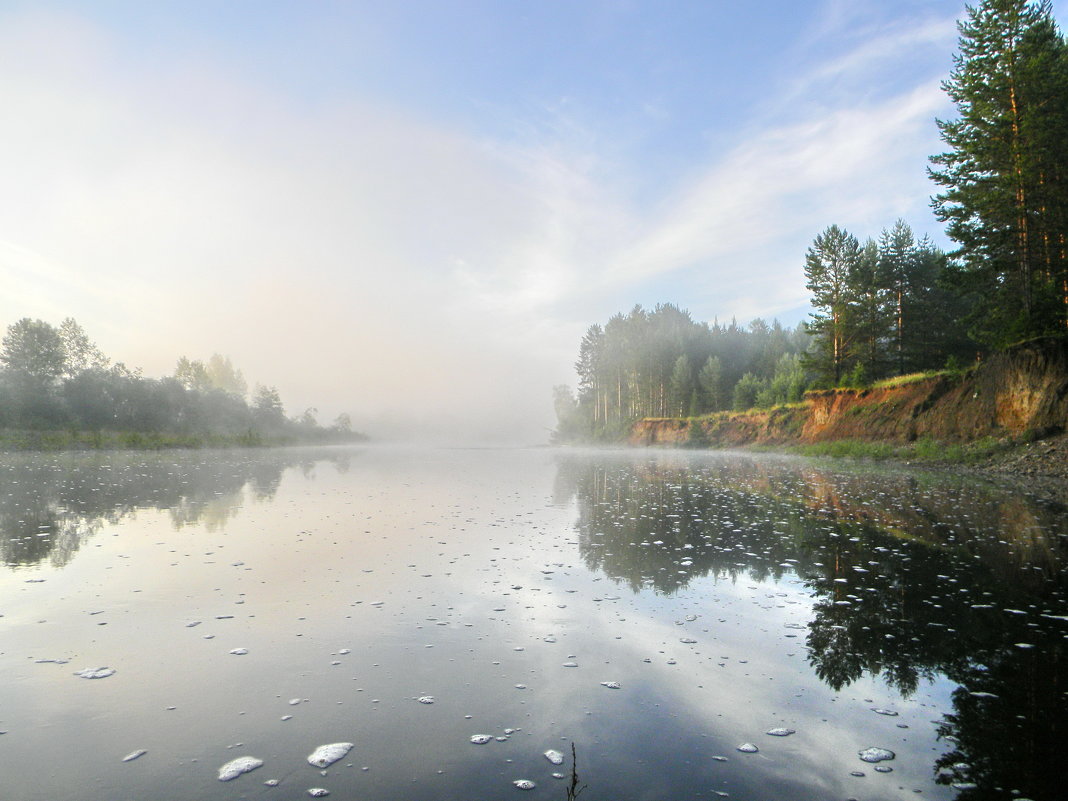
x=893, y=305
x=55, y=379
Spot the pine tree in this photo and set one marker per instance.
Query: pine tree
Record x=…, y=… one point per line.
x=1004, y=175
x=712, y=386
x=830, y=260
x=871, y=310
x=680, y=387
x=897, y=267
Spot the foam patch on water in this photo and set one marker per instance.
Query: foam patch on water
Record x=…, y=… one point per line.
x=130, y=757
x=875, y=754
x=779, y=732
x=747, y=748
x=96, y=673
x=555, y=757
x=235, y=767
x=481, y=739
x=524, y=784
x=328, y=754
x=611, y=685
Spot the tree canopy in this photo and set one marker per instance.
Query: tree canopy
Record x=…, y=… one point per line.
x=1004, y=176
x=53, y=378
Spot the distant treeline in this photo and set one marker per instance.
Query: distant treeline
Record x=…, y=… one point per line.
x=56, y=379
x=661, y=363
x=881, y=310
x=895, y=305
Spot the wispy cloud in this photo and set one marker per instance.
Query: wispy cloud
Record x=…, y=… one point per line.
x=371, y=258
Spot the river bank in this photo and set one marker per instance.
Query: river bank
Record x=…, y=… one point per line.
x=1007, y=415
x=20, y=440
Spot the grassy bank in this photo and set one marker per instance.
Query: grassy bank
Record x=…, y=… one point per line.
x=921, y=450
x=34, y=440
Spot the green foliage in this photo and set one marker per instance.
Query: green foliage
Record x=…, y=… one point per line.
x=80, y=354
x=712, y=385
x=787, y=384
x=746, y=392
x=924, y=449
x=661, y=363
x=882, y=306
x=857, y=378
x=33, y=352
x=1004, y=177
x=696, y=436
x=850, y=449
x=681, y=386
x=57, y=380
x=831, y=265
x=219, y=374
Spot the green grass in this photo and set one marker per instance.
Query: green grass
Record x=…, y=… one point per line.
x=925, y=450
x=34, y=440
x=849, y=449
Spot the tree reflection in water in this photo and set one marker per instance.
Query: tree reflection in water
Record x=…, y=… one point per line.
x=912, y=576
x=52, y=504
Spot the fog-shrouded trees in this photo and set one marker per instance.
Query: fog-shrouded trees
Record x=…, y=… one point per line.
x=1004, y=176
x=661, y=363
x=33, y=352
x=80, y=353
x=219, y=374
x=57, y=378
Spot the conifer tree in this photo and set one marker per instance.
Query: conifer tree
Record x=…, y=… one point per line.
x=712, y=386
x=681, y=386
x=1004, y=175
x=831, y=259
x=872, y=320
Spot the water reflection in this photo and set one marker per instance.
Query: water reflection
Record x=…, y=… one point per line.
x=912, y=577
x=51, y=505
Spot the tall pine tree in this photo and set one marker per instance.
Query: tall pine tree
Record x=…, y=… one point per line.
x=1004, y=175
x=831, y=261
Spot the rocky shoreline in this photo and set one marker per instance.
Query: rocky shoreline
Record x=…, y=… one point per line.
x=1045, y=458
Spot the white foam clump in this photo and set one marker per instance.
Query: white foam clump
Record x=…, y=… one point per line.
x=747, y=748
x=481, y=739
x=318, y=792
x=96, y=673
x=328, y=754
x=780, y=732
x=235, y=767
x=875, y=754
x=130, y=757
x=524, y=784
x=555, y=757
x=611, y=685
x=239, y=651
x=426, y=699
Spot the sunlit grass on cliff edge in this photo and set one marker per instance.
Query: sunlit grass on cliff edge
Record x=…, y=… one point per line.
x=925, y=449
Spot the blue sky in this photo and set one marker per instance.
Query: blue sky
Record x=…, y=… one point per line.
x=412, y=210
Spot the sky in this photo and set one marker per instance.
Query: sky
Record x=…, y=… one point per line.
x=412, y=211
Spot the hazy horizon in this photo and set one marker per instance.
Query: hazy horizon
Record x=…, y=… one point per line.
x=412, y=212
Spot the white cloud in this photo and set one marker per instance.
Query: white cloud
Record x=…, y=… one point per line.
x=363, y=257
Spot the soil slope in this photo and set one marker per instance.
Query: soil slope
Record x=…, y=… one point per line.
x=1021, y=393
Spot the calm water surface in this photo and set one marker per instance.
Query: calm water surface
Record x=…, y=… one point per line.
x=654, y=610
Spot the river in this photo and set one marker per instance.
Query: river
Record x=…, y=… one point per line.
x=606, y=624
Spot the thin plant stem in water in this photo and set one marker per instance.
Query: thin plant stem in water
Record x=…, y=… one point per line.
x=573, y=790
